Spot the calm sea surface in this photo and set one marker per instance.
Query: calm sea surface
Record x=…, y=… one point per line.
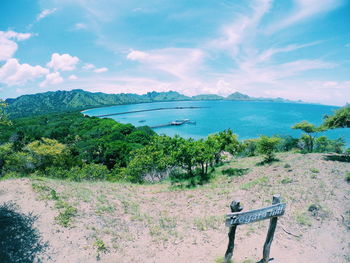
x=248, y=119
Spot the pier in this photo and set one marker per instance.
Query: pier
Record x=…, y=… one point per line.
x=157, y=109
x=174, y=123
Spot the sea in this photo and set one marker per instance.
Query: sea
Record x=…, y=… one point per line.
x=248, y=119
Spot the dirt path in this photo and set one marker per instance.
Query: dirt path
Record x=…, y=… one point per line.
x=152, y=223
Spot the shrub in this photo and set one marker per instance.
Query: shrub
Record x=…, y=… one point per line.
x=347, y=178
x=89, y=172
x=235, y=171
x=249, y=147
x=267, y=146
x=64, y=218
x=323, y=145
x=286, y=143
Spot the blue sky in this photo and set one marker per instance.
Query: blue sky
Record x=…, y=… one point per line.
x=295, y=49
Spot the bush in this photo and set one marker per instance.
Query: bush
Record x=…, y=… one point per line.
x=249, y=147
x=267, y=146
x=235, y=171
x=90, y=172
x=325, y=145
x=286, y=143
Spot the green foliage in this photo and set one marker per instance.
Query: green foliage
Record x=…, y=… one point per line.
x=287, y=143
x=67, y=140
x=249, y=147
x=325, y=145
x=286, y=180
x=100, y=245
x=307, y=140
x=3, y=116
x=258, y=181
x=152, y=160
x=89, y=172
x=67, y=101
x=302, y=218
x=267, y=146
x=66, y=215
x=235, y=171
x=340, y=119
x=306, y=127
x=287, y=165
x=347, y=178
x=314, y=170
x=47, y=152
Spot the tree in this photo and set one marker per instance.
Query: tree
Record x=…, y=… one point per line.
x=47, y=152
x=185, y=154
x=340, y=119
x=3, y=116
x=204, y=156
x=309, y=129
x=267, y=146
x=225, y=141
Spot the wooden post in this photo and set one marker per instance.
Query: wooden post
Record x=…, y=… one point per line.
x=235, y=207
x=273, y=223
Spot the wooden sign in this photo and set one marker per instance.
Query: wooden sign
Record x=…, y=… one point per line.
x=238, y=218
x=241, y=218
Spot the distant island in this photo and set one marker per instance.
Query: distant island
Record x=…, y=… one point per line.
x=78, y=99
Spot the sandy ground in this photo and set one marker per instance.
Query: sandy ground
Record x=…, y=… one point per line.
x=155, y=223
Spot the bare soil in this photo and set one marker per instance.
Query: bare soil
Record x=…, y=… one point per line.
x=120, y=222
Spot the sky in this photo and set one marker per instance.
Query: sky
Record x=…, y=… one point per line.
x=295, y=49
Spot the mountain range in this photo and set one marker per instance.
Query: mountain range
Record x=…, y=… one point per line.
x=74, y=100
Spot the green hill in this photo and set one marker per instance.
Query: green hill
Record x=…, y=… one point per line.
x=208, y=97
x=239, y=96
x=60, y=101
x=75, y=100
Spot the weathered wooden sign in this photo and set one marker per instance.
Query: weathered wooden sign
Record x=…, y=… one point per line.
x=238, y=218
x=241, y=218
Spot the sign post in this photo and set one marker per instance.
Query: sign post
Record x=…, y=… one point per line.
x=238, y=218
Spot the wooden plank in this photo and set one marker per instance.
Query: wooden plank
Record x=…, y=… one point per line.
x=255, y=215
x=270, y=233
x=235, y=207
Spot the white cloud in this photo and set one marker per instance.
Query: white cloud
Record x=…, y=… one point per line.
x=14, y=73
x=327, y=92
x=45, y=13
x=100, y=70
x=72, y=77
x=179, y=62
x=79, y=26
x=8, y=46
x=137, y=55
x=51, y=79
x=64, y=62
x=234, y=34
x=267, y=54
x=88, y=66
x=305, y=9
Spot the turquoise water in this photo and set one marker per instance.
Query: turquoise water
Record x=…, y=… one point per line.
x=248, y=119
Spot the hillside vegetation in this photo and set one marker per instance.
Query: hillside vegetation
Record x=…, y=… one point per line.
x=63, y=101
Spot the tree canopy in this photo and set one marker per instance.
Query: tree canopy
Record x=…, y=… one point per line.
x=340, y=119
x=309, y=129
x=3, y=116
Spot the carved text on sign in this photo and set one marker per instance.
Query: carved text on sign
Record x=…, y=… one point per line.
x=240, y=218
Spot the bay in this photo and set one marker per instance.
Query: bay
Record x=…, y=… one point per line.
x=248, y=119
